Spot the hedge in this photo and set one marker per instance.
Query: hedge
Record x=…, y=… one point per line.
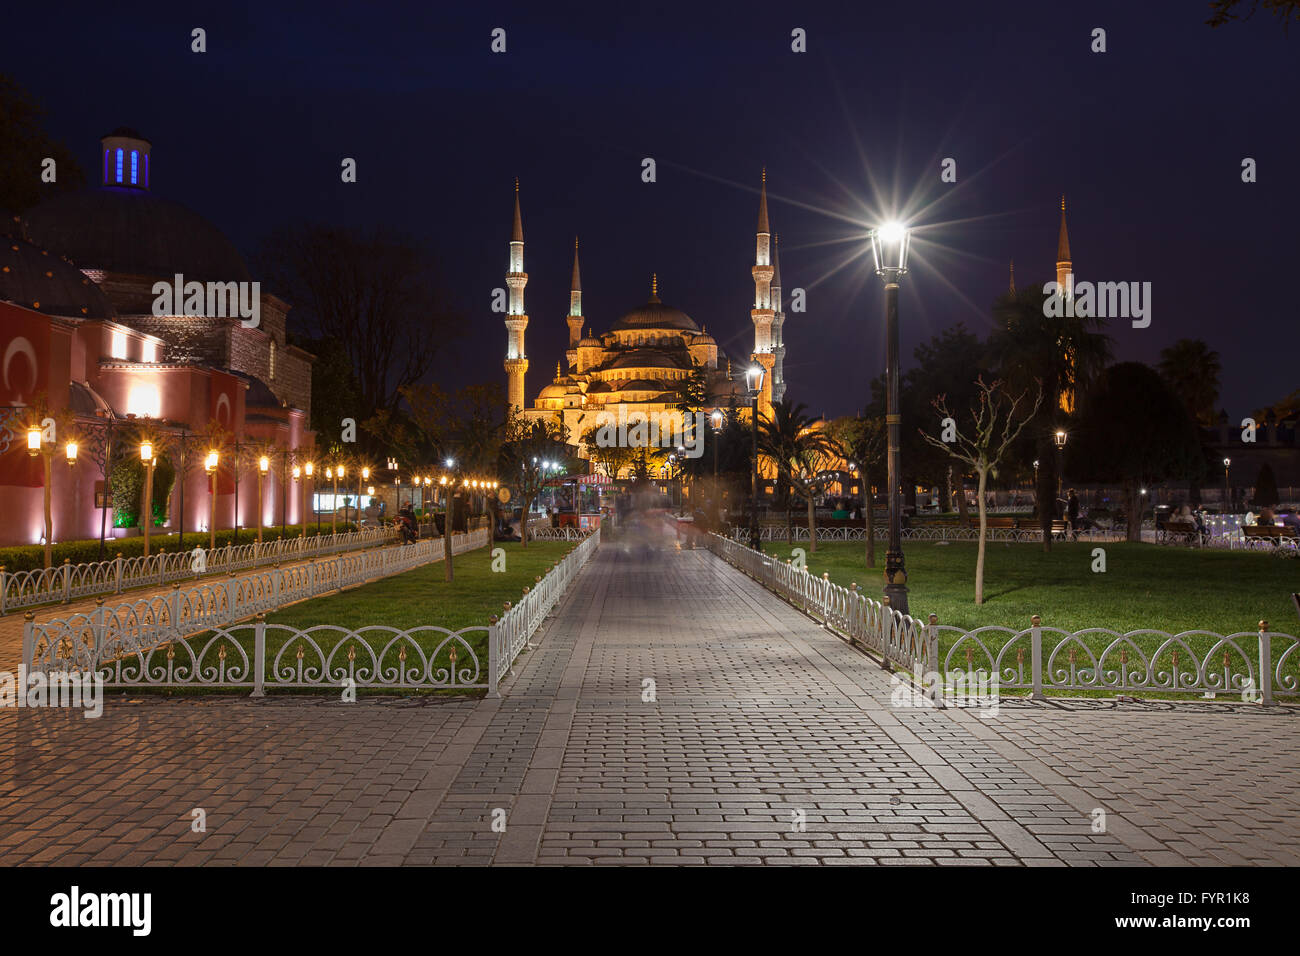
x=32, y=556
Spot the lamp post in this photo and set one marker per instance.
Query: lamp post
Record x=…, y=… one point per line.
x=263, y=466
x=716, y=418
x=307, y=470
x=210, y=466
x=36, y=446
x=1060, y=438
x=148, y=459
x=754, y=379
x=889, y=248
x=1227, y=495
x=365, y=476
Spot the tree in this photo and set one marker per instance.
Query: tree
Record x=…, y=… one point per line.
x=1133, y=429
x=1065, y=355
x=948, y=364
x=610, y=458
x=527, y=443
x=802, y=452
x=864, y=442
x=1266, y=495
x=1287, y=11
x=335, y=394
x=24, y=146
x=1191, y=370
x=375, y=294
x=996, y=421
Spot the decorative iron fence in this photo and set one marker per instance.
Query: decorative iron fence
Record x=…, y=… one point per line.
x=112, y=634
x=69, y=581
x=262, y=657
x=799, y=534
x=558, y=534
x=520, y=621
x=1257, y=665
x=898, y=638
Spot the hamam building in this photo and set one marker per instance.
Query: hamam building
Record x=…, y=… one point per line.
x=636, y=367
x=78, y=332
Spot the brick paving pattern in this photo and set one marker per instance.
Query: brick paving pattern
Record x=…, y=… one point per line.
x=767, y=741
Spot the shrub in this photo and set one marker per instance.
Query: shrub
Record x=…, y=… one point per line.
x=32, y=556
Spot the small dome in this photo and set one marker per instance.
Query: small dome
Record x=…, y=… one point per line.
x=554, y=390
x=37, y=280
x=588, y=342
x=704, y=338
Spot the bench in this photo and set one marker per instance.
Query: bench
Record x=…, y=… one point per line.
x=1274, y=533
x=1180, y=528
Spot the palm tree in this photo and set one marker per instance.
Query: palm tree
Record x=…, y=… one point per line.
x=802, y=453
x=1065, y=353
x=1191, y=370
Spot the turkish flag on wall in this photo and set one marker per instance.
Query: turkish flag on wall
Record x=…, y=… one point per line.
x=24, y=376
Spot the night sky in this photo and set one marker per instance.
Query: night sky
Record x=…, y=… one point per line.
x=1145, y=140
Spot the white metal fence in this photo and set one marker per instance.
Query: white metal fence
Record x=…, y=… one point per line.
x=1259, y=665
x=88, y=640
x=511, y=632
x=557, y=534
x=898, y=638
x=69, y=581
x=954, y=532
x=140, y=646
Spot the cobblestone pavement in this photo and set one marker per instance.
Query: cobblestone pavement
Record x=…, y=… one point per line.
x=767, y=741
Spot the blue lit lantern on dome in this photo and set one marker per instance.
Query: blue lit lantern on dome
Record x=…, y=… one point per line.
x=126, y=159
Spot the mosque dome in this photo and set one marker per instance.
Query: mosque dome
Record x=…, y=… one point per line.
x=655, y=315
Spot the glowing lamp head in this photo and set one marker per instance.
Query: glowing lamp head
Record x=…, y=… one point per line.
x=889, y=248
x=1227, y=462
x=297, y=472
x=146, y=452
x=34, y=440
x=264, y=464
x=754, y=378
x=307, y=469
x=370, y=490
x=70, y=450
x=1060, y=438
x=441, y=481
x=450, y=463
x=210, y=463
x=342, y=470
x=365, y=474
x=716, y=418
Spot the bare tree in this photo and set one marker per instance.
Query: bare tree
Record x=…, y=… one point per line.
x=528, y=442
x=996, y=421
x=375, y=293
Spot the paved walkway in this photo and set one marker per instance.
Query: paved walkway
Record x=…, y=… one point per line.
x=767, y=741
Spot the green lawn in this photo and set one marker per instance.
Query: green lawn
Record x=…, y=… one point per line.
x=419, y=597
x=1169, y=589
x=1144, y=585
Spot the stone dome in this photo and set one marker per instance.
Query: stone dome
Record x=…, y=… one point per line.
x=35, y=279
x=132, y=231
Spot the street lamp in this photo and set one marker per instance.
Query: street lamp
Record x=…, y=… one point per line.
x=1060, y=438
x=210, y=466
x=70, y=451
x=754, y=379
x=34, y=441
x=889, y=249
x=1227, y=495
x=263, y=466
x=146, y=511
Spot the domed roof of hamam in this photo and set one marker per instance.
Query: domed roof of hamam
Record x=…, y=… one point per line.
x=121, y=226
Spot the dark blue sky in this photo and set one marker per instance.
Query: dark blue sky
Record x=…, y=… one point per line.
x=1146, y=140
